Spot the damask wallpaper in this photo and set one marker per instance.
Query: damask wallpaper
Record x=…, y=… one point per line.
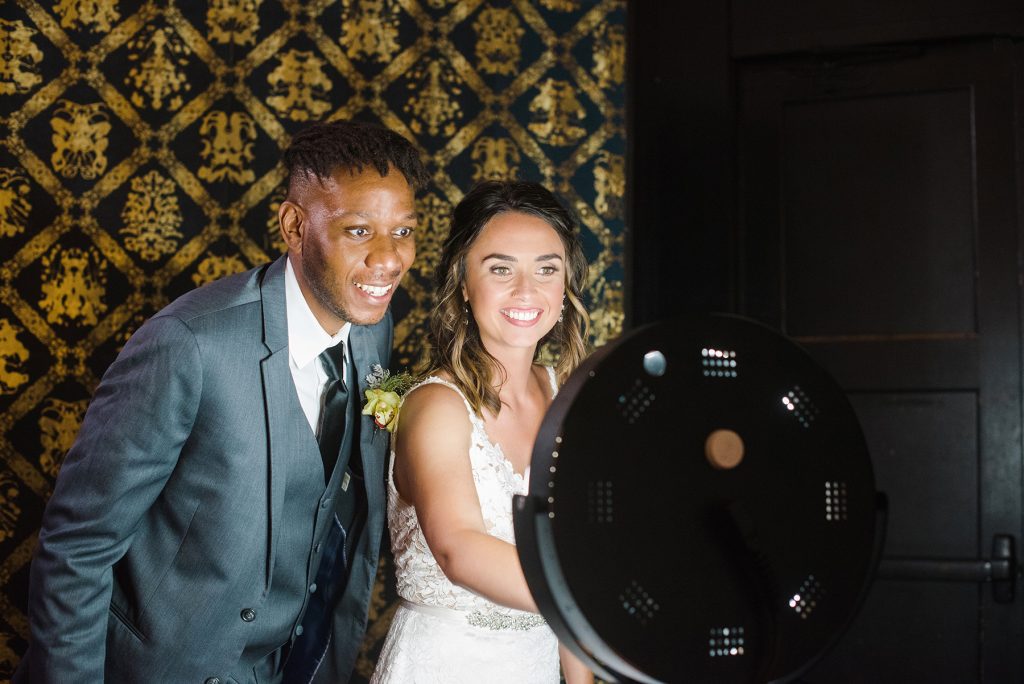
x=139, y=148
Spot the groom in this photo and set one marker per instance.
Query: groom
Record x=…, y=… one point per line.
x=223, y=474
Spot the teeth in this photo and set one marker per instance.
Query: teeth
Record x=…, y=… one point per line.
x=375, y=291
x=522, y=315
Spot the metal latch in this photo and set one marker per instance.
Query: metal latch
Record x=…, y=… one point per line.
x=1000, y=570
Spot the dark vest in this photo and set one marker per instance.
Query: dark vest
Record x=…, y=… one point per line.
x=309, y=509
x=342, y=538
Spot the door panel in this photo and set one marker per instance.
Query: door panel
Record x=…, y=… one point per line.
x=908, y=253
x=908, y=633
x=879, y=228
x=918, y=444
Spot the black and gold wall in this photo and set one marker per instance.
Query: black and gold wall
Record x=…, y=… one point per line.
x=139, y=158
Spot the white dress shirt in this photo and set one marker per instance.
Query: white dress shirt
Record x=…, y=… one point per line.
x=306, y=341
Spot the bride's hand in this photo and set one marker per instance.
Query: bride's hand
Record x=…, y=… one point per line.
x=573, y=668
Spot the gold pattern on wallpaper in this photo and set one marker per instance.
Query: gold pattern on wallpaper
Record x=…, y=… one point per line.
x=14, y=205
x=610, y=55
x=233, y=21
x=227, y=147
x=151, y=217
x=433, y=227
x=274, y=241
x=494, y=158
x=608, y=316
x=139, y=158
x=9, y=509
x=8, y=658
x=97, y=15
x=299, y=86
x=156, y=77
x=497, y=47
x=80, y=139
x=19, y=71
x=73, y=286
x=557, y=114
x=13, y=356
x=434, y=88
x=610, y=184
x=58, y=426
x=369, y=29
x=215, y=267
x=561, y=5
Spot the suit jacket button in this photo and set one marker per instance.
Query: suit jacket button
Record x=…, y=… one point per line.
x=212, y=680
x=248, y=614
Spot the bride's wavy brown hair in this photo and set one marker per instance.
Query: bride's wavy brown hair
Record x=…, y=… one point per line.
x=454, y=339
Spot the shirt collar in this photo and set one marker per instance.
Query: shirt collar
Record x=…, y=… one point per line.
x=306, y=337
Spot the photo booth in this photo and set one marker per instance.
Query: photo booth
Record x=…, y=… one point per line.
x=701, y=507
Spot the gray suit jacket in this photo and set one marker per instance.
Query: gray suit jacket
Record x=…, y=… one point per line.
x=162, y=526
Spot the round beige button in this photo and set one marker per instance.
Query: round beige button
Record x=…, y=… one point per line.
x=724, y=449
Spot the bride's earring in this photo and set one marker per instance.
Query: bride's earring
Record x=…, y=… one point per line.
x=561, y=316
x=465, y=312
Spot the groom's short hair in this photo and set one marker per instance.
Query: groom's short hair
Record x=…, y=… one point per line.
x=323, y=148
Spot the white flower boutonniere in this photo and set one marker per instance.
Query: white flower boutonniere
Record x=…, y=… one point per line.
x=383, y=394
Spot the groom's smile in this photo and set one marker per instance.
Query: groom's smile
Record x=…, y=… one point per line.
x=375, y=291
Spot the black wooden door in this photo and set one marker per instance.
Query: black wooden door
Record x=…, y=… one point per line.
x=879, y=201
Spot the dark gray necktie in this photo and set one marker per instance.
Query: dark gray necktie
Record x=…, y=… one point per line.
x=332, y=416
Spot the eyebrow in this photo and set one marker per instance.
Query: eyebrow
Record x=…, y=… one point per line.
x=411, y=216
x=506, y=257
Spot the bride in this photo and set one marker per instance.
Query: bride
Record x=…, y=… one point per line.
x=510, y=277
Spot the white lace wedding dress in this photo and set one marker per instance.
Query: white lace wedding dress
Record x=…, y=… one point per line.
x=442, y=633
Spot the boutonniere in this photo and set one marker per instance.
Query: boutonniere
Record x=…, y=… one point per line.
x=383, y=394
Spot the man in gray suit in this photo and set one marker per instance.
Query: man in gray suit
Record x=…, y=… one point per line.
x=223, y=467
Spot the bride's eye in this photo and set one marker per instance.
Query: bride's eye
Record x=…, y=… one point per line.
x=501, y=270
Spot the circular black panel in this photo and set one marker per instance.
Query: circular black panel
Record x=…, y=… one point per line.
x=660, y=567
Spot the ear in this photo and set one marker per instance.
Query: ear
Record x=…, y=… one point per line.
x=292, y=223
x=465, y=295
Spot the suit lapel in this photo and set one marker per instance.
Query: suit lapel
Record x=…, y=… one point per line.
x=371, y=443
x=277, y=380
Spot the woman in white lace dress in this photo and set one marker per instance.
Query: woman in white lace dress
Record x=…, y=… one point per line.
x=510, y=277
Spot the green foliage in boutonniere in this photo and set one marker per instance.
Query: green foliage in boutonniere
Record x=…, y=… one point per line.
x=383, y=394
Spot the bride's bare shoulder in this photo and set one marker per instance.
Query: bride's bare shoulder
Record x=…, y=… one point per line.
x=432, y=424
x=432, y=401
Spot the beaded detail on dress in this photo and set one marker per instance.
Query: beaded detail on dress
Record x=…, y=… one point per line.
x=501, y=621
x=419, y=578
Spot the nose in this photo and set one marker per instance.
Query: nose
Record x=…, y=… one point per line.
x=522, y=286
x=383, y=257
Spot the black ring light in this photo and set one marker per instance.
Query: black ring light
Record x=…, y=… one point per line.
x=701, y=508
